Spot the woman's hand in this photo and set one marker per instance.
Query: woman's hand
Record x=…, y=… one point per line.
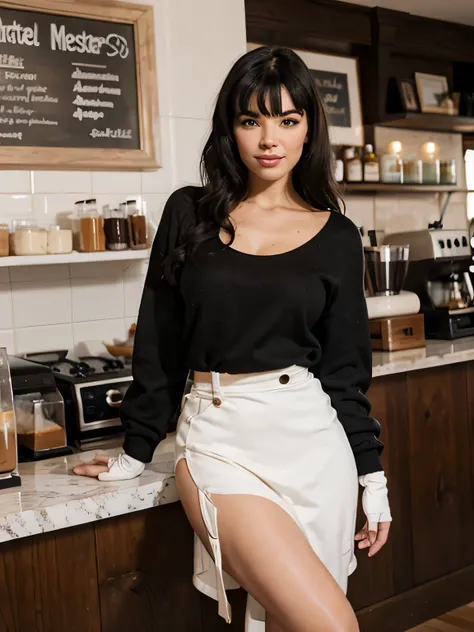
x=122, y=468
x=374, y=538
x=374, y=533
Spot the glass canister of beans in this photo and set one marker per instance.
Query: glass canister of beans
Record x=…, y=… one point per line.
x=59, y=240
x=29, y=239
x=91, y=229
x=115, y=227
x=4, y=240
x=137, y=226
x=448, y=171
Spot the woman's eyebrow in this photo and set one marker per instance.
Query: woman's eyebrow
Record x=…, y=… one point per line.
x=256, y=115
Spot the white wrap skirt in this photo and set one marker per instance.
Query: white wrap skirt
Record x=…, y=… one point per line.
x=275, y=435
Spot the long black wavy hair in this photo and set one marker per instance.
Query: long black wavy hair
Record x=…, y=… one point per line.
x=260, y=73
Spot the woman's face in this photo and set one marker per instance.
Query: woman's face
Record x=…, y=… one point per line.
x=270, y=147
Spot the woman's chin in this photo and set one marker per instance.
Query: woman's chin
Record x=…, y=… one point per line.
x=270, y=174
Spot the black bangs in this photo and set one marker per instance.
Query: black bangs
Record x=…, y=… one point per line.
x=264, y=85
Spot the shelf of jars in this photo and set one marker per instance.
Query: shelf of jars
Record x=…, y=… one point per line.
x=382, y=187
x=74, y=257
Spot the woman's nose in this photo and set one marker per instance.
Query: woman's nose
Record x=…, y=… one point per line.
x=268, y=140
x=268, y=137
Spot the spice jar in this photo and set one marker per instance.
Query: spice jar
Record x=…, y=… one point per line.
x=29, y=239
x=431, y=171
x=92, y=236
x=59, y=240
x=115, y=227
x=137, y=226
x=4, y=240
x=412, y=171
x=79, y=211
x=447, y=170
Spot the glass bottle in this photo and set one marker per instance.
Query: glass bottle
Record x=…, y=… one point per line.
x=137, y=226
x=115, y=227
x=352, y=166
x=371, y=165
x=92, y=236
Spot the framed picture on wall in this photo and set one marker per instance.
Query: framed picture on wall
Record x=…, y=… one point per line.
x=433, y=91
x=337, y=81
x=408, y=95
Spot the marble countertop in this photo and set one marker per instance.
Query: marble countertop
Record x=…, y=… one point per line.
x=51, y=497
x=436, y=353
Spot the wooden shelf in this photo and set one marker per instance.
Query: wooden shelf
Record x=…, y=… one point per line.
x=74, y=257
x=430, y=122
x=381, y=187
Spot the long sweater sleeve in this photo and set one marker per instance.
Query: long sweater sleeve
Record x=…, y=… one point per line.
x=345, y=368
x=152, y=401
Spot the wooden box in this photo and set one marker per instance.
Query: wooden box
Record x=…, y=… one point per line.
x=398, y=332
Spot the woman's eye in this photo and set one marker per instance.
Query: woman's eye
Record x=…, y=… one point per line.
x=289, y=122
x=248, y=123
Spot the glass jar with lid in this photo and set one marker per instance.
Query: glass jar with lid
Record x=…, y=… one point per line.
x=447, y=171
x=137, y=226
x=29, y=238
x=92, y=235
x=78, y=212
x=4, y=240
x=115, y=227
x=59, y=240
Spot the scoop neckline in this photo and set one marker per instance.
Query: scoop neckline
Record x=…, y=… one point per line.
x=315, y=237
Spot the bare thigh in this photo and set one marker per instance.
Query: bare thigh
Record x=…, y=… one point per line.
x=266, y=552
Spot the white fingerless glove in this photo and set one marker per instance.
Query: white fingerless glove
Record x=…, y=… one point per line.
x=122, y=468
x=375, y=499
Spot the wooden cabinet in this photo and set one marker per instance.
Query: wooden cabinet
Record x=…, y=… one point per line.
x=440, y=471
x=48, y=583
x=391, y=570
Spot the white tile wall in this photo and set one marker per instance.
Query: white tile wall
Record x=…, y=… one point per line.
x=92, y=299
x=60, y=181
x=45, y=303
x=15, y=182
x=6, y=316
x=49, y=337
x=190, y=136
x=200, y=63
x=7, y=339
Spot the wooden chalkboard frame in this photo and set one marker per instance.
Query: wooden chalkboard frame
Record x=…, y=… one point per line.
x=145, y=158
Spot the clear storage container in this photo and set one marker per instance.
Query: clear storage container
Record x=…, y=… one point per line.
x=40, y=421
x=8, y=449
x=59, y=240
x=115, y=227
x=137, y=226
x=29, y=238
x=4, y=240
x=92, y=235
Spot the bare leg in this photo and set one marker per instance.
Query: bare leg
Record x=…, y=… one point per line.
x=265, y=551
x=271, y=625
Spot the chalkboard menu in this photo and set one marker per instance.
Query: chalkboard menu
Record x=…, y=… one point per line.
x=333, y=89
x=71, y=82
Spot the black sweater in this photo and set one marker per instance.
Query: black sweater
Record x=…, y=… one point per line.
x=239, y=313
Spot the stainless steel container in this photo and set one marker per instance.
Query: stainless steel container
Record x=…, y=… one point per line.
x=385, y=269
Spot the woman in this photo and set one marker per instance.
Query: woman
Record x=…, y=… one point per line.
x=255, y=284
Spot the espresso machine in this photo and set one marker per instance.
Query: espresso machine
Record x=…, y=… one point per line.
x=440, y=273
